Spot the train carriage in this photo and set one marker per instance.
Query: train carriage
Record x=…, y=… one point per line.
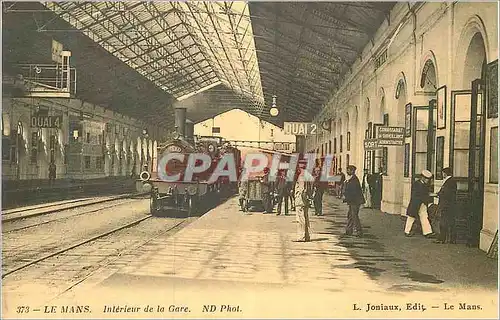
x=254, y=191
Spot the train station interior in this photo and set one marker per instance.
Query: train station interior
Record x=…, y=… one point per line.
x=91, y=93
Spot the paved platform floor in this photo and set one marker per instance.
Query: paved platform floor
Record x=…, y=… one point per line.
x=245, y=265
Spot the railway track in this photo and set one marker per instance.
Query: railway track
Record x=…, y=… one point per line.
x=83, y=242
x=61, y=218
x=46, y=209
x=42, y=206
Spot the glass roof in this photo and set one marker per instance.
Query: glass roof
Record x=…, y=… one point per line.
x=182, y=47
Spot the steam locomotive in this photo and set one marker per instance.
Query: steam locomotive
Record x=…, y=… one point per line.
x=183, y=195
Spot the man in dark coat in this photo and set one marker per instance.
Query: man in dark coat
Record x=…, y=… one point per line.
x=283, y=189
x=417, y=208
x=353, y=196
x=267, y=189
x=446, y=208
x=341, y=186
x=319, y=190
x=52, y=172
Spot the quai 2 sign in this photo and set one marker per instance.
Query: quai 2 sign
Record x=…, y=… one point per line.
x=300, y=128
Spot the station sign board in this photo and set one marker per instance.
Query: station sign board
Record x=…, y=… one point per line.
x=57, y=49
x=282, y=146
x=390, y=136
x=46, y=121
x=215, y=129
x=371, y=144
x=300, y=128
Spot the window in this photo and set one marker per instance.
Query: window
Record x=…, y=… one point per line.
x=52, y=144
x=34, y=148
x=340, y=162
x=381, y=59
x=66, y=149
x=99, y=137
x=347, y=159
x=335, y=145
x=6, y=148
x=494, y=155
x=330, y=147
x=439, y=158
x=384, y=160
x=349, y=141
x=87, y=137
x=98, y=163
x=341, y=138
x=407, y=161
x=386, y=119
x=87, y=162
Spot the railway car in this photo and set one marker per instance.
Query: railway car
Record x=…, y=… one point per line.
x=254, y=194
x=189, y=196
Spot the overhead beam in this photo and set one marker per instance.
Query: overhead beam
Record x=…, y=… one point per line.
x=291, y=19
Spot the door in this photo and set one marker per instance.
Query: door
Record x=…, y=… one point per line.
x=423, y=135
x=368, y=153
x=467, y=159
x=476, y=161
x=374, y=166
x=377, y=170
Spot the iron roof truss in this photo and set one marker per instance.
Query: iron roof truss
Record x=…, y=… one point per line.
x=170, y=43
x=245, y=52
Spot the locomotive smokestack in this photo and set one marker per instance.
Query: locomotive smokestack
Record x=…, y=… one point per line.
x=190, y=131
x=180, y=122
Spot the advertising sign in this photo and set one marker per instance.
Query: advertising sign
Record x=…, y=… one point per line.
x=390, y=136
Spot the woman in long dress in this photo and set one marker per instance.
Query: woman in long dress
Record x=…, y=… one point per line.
x=366, y=191
x=302, y=208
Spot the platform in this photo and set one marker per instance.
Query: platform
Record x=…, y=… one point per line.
x=248, y=261
x=16, y=193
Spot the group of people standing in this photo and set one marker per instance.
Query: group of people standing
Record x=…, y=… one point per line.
x=422, y=204
x=301, y=192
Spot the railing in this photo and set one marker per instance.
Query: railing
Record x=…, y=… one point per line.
x=48, y=78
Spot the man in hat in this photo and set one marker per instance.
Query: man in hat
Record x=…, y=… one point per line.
x=52, y=172
x=446, y=208
x=340, y=185
x=419, y=200
x=353, y=196
x=266, y=192
x=283, y=190
x=319, y=189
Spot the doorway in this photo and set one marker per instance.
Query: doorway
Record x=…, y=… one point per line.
x=375, y=166
x=423, y=135
x=467, y=143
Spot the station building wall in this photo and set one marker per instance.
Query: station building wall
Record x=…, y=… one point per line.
x=237, y=124
x=447, y=44
x=92, y=142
